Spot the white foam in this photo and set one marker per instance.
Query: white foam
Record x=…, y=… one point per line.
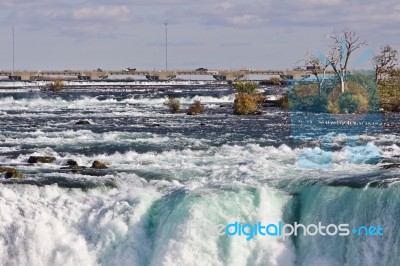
x=47, y=226
x=89, y=103
x=40, y=84
x=250, y=163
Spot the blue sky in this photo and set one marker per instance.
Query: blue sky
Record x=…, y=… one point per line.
x=213, y=34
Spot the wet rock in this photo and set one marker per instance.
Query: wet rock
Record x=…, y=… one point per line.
x=10, y=173
x=99, y=165
x=13, y=174
x=71, y=162
x=387, y=160
x=391, y=166
x=73, y=167
x=6, y=169
x=83, y=122
x=41, y=159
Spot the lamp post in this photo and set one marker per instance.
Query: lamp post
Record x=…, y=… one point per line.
x=13, y=48
x=166, y=45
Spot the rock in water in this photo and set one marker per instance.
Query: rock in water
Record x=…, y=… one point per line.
x=73, y=167
x=391, y=166
x=6, y=169
x=99, y=165
x=10, y=172
x=82, y=122
x=71, y=162
x=41, y=159
x=13, y=174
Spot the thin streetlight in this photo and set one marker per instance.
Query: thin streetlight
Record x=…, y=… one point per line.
x=166, y=45
x=13, y=51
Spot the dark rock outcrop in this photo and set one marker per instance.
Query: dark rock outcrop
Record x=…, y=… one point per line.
x=10, y=173
x=71, y=162
x=99, y=165
x=391, y=166
x=41, y=159
x=6, y=169
x=73, y=167
x=83, y=122
x=13, y=174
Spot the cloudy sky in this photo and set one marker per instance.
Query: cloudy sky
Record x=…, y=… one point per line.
x=114, y=34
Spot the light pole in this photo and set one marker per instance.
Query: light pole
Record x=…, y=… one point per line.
x=13, y=49
x=166, y=45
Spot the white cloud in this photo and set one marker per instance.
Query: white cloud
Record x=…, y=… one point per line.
x=224, y=6
x=245, y=20
x=110, y=13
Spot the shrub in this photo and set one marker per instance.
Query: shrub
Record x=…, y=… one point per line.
x=305, y=97
x=354, y=100
x=246, y=103
x=245, y=87
x=56, y=86
x=283, y=102
x=389, y=97
x=174, y=105
x=389, y=92
x=348, y=102
x=306, y=90
x=246, y=98
x=196, y=108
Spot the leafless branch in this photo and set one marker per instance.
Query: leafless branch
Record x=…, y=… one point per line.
x=384, y=62
x=343, y=45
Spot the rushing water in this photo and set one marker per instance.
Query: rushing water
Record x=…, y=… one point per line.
x=172, y=177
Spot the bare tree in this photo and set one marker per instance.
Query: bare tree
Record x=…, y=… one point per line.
x=317, y=65
x=384, y=62
x=343, y=46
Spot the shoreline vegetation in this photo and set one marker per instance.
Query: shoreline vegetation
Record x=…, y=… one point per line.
x=362, y=94
x=346, y=92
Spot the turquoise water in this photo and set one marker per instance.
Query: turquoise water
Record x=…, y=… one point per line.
x=173, y=178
